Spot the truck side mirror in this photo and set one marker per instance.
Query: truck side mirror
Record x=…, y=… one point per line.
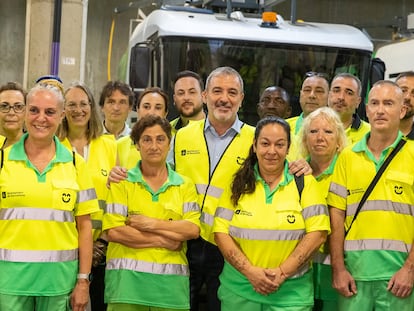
x=139, y=68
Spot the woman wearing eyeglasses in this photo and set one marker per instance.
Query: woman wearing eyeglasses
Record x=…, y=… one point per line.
x=12, y=107
x=45, y=228
x=82, y=131
x=149, y=218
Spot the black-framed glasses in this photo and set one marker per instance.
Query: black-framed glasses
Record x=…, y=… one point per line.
x=317, y=74
x=17, y=108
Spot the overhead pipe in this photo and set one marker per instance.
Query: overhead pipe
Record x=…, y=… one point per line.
x=57, y=17
x=293, y=8
x=82, y=61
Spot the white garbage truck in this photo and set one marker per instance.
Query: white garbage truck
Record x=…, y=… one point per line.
x=264, y=51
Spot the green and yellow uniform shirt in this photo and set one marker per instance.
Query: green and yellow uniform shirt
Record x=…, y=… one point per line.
x=149, y=276
x=295, y=124
x=39, y=239
x=267, y=226
x=101, y=159
x=128, y=153
x=322, y=271
x=357, y=130
x=383, y=232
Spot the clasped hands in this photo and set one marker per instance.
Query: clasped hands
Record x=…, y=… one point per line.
x=266, y=281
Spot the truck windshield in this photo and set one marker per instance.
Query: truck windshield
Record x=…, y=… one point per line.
x=261, y=64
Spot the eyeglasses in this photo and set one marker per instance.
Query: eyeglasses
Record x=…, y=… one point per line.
x=17, y=108
x=316, y=74
x=73, y=106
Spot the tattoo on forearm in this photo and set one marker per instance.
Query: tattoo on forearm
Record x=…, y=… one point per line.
x=302, y=252
x=236, y=259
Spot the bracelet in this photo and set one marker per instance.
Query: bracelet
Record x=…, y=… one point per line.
x=104, y=242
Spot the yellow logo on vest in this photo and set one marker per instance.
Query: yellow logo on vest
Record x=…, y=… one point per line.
x=66, y=197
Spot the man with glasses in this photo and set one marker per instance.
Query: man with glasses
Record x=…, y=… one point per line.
x=406, y=82
x=274, y=102
x=12, y=107
x=116, y=102
x=345, y=97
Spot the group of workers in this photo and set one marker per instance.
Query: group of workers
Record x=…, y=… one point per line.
x=313, y=212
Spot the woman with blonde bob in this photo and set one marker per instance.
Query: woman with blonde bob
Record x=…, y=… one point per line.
x=322, y=138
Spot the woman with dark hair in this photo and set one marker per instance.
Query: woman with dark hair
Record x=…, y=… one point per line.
x=81, y=131
x=268, y=227
x=12, y=111
x=149, y=218
x=151, y=101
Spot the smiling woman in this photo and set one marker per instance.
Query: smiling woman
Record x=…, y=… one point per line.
x=264, y=229
x=49, y=219
x=81, y=131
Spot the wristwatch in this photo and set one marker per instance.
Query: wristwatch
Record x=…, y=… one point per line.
x=84, y=276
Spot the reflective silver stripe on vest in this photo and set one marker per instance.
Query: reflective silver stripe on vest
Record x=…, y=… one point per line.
x=211, y=190
x=338, y=190
x=191, y=207
x=382, y=205
x=377, y=244
x=207, y=218
x=224, y=213
x=324, y=259
x=96, y=224
x=86, y=195
x=147, y=267
x=29, y=213
x=38, y=256
x=102, y=204
x=315, y=210
x=266, y=235
x=115, y=208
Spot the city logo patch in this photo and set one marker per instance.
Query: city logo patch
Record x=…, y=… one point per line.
x=243, y=213
x=66, y=197
x=185, y=152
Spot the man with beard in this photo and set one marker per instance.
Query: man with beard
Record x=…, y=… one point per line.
x=406, y=82
x=274, y=102
x=187, y=99
x=345, y=97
